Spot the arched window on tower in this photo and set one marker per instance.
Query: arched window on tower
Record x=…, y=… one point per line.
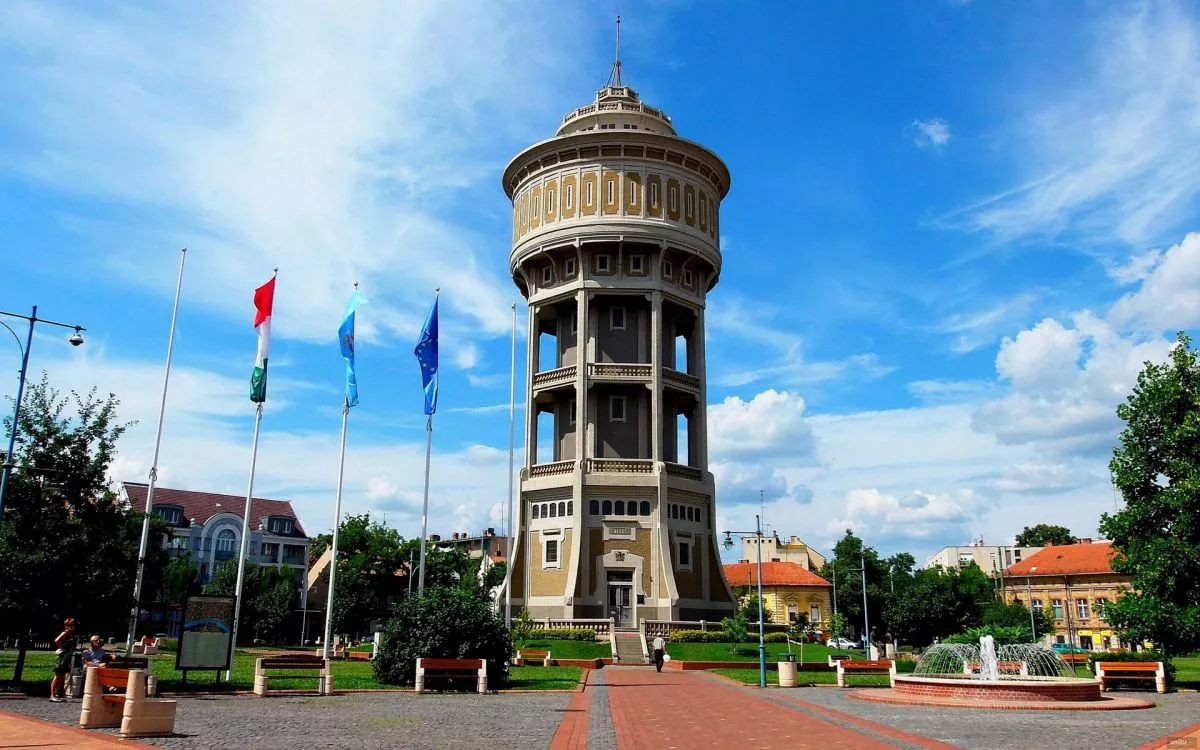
x=619, y=510
x=608, y=507
x=553, y=510
x=562, y=509
x=594, y=507
x=645, y=507
x=536, y=512
x=225, y=540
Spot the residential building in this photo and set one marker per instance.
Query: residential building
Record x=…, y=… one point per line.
x=208, y=527
x=1073, y=582
x=794, y=550
x=990, y=558
x=789, y=590
x=615, y=246
x=486, y=545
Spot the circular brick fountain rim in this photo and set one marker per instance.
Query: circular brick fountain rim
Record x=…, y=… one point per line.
x=988, y=698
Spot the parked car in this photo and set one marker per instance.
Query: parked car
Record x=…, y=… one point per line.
x=842, y=643
x=1067, y=648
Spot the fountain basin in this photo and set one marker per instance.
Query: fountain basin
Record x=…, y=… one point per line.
x=985, y=692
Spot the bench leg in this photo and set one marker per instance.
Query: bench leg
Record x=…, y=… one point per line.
x=1160, y=684
x=262, y=683
x=420, y=683
x=326, y=683
x=481, y=685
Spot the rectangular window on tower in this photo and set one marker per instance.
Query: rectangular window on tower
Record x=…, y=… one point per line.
x=616, y=408
x=571, y=419
x=683, y=556
x=551, y=551
x=688, y=279
x=668, y=270
x=637, y=264
x=569, y=268
x=603, y=263
x=569, y=198
x=616, y=318
x=547, y=275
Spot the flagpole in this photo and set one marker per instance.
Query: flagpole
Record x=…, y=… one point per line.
x=512, y=422
x=337, y=521
x=425, y=507
x=237, y=606
x=162, y=408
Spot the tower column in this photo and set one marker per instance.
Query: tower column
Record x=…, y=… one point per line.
x=656, y=385
x=700, y=417
x=532, y=358
x=583, y=355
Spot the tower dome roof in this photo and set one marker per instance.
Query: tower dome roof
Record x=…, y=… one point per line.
x=616, y=107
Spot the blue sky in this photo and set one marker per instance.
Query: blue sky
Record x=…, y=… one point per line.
x=955, y=232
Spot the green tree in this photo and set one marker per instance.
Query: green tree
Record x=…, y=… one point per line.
x=750, y=606
x=937, y=603
x=1045, y=534
x=837, y=625
x=850, y=555
x=268, y=595
x=1156, y=467
x=1016, y=615
x=735, y=629
x=68, y=546
x=178, y=578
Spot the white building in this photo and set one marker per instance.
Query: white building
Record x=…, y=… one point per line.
x=794, y=550
x=990, y=558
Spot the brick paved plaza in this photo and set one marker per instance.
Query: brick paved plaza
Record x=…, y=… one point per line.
x=630, y=707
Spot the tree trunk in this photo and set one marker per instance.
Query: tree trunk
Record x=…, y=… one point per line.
x=19, y=669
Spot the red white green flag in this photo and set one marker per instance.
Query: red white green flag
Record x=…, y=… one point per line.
x=264, y=300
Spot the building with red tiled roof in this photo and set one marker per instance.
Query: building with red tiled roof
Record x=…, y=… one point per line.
x=208, y=527
x=789, y=590
x=1073, y=583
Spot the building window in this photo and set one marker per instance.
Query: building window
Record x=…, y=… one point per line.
x=965, y=559
x=588, y=197
x=569, y=268
x=1017, y=555
x=551, y=557
x=674, y=511
x=169, y=514
x=616, y=318
x=619, y=508
x=553, y=510
x=537, y=512
x=687, y=278
x=1081, y=608
x=608, y=507
x=645, y=507
x=570, y=197
x=611, y=185
x=269, y=549
x=691, y=204
x=574, y=321
x=603, y=263
x=691, y=513
x=616, y=408
x=562, y=509
x=1101, y=603
x=684, y=553
x=550, y=201
x=570, y=507
x=1037, y=603
x=637, y=264
x=814, y=613
x=668, y=270
x=1057, y=607
x=225, y=540
x=654, y=195
x=594, y=507
x=571, y=410
x=280, y=525
x=673, y=197
x=547, y=275
x=537, y=205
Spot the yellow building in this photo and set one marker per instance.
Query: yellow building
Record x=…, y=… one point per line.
x=1073, y=582
x=789, y=590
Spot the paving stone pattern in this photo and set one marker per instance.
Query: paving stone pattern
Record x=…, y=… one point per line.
x=600, y=724
x=366, y=721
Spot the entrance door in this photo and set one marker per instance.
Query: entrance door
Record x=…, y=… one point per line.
x=1085, y=642
x=619, y=604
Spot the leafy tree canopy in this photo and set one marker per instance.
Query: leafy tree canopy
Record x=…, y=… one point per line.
x=1156, y=467
x=268, y=595
x=850, y=556
x=1045, y=534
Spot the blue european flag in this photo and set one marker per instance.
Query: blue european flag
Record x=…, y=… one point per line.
x=346, y=341
x=427, y=356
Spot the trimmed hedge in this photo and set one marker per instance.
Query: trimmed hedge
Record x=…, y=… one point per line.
x=697, y=636
x=775, y=638
x=563, y=634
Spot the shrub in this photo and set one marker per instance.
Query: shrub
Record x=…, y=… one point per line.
x=697, y=636
x=776, y=638
x=445, y=623
x=1001, y=635
x=168, y=645
x=562, y=634
x=735, y=629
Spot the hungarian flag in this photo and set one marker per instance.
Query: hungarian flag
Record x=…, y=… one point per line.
x=264, y=300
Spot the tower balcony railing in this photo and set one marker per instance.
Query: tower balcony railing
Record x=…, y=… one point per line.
x=682, y=470
x=620, y=371
x=552, y=469
x=676, y=377
x=620, y=465
x=557, y=376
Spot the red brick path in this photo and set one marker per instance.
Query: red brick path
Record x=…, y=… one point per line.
x=17, y=731
x=688, y=710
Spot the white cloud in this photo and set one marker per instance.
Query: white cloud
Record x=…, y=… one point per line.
x=933, y=133
x=1042, y=359
x=1169, y=295
x=1040, y=479
x=950, y=391
x=982, y=327
x=330, y=142
x=772, y=421
x=1110, y=152
x=909, y=517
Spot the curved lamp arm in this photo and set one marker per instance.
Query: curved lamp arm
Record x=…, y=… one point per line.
x=15, y=337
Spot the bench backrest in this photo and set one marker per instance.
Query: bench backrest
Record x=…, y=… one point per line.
x=1129, y=666
x=452, y=664
x=534, y=654
x=880, y=664
x=299, y=661
x=128, y=662
x=113, y=678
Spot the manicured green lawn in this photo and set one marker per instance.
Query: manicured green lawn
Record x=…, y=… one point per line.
x=570, y=649
x=347, y=675
x=543, y=678
x=1187, y=671
x=747, y=652
x=750, y=677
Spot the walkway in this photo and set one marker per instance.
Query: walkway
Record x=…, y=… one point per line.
x=17, y=731
x=694, y=710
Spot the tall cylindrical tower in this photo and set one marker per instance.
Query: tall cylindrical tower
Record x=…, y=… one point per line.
x=615, y=244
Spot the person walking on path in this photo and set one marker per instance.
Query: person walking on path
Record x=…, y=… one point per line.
x=660, y=650
x=65, y=644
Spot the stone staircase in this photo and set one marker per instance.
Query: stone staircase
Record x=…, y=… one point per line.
x=629, y=647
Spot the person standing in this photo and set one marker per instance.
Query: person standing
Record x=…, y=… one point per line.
x=660, y=650
x=65, y=644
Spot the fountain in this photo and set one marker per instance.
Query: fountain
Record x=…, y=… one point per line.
x=1015, y=676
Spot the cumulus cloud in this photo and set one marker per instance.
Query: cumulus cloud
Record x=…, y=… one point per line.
x=1169, y=294
x=1039, y=478
x=933, y=133
x=770, y=423
x=910, y=516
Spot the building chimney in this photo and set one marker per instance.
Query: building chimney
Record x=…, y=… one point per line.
x=435, y=538
x=1086, y=540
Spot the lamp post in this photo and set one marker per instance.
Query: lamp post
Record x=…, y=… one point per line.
x=762, y=642
x=75, y=339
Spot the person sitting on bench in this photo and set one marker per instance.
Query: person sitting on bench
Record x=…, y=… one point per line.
x=95, y=655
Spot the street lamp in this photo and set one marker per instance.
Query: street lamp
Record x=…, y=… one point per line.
x=762, y=643
x=75, y=339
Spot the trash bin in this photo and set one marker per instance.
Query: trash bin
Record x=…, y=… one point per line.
x=787, y=671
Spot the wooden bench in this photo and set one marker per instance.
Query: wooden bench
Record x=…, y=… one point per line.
x=296, y=665
x=1111, y=671
x=137, y=662
x=427, y=668
x=849, y=666
x=133, y=712
x=530, y=657
x=1075, y=658
x=339, y=651
x=833, y=660
x=1004, y=667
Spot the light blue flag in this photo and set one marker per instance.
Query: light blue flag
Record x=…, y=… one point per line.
x=427, y=355
x=346, y=340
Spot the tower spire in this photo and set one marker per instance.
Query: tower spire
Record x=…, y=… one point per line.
x=614, y=78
